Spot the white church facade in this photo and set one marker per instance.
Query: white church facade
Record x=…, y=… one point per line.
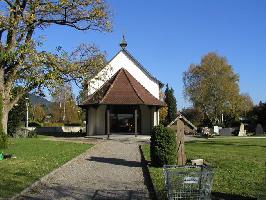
x=122, y=98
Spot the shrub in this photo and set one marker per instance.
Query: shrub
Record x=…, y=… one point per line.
x=25, y=133
x=53, y=124
x=73, y=124
x=163, y=146
x=35, y=124
x=32, y=134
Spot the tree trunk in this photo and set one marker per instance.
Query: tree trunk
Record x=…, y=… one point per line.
x=180, y=138
x=4, y=119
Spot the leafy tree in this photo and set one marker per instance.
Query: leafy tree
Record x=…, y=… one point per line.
x=23, y=62
x=260, y=113
x=38, y=113
x=212, y=86
x=83, y=93
x=246, y=103
x=170, y=101
x=195, y=115
x=65, y=109
x=163, y=114
x=56, y=113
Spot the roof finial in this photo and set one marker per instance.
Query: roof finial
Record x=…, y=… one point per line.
x=123, y=43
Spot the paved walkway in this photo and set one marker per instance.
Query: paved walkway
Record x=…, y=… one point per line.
x=110, y=170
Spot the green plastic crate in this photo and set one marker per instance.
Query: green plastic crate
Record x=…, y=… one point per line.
x=1, y=156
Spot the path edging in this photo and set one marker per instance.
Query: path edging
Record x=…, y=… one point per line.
x=42, y=179
x=147, y=168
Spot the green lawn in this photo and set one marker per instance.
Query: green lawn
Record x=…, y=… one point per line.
x=35, y=158
x=239, y=164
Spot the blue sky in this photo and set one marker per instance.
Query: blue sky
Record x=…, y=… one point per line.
x=168, y=36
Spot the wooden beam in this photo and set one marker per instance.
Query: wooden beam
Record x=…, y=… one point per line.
x=108, y=123
x=136, y=122
x=87, y=120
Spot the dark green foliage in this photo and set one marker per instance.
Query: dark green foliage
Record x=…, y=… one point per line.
x=195, y=115
x=163, y=146
x=170, y=100
x=3, y=140
x=240, y=172
x=16, y=116
x=260, y=113
x=3, y=136
x=35, y=124
x=32, y=134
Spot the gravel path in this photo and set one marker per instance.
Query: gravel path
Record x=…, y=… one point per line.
x=110, y=170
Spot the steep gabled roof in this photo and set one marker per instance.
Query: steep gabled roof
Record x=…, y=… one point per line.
x=121, y=89
x=138, y=64
x=142, y=67
x=182, y=117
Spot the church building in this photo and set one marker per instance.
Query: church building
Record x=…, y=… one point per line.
x=122, y=98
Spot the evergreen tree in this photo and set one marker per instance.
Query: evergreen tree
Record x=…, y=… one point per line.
x=170, y=101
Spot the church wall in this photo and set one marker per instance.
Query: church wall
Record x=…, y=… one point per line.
x=91, y=125
x=145, y=120
x=122, y=60
x=100, y=120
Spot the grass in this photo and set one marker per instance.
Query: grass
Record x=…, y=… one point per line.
x=239, y=165
x=35, y=158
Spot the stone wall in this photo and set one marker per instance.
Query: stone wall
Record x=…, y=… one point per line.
x=62, y=129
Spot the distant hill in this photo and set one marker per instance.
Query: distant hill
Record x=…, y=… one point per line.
x=34, y=99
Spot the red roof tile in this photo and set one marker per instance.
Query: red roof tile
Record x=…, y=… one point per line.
x=122, y=88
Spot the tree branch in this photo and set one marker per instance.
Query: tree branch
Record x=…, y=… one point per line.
x=9, y=3
x=21, y=93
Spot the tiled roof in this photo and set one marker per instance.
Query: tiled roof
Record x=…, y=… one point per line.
x=121, y=89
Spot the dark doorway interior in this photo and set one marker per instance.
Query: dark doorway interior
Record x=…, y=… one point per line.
x=122, y=119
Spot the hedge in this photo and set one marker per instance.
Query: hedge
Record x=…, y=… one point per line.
x=163, y=146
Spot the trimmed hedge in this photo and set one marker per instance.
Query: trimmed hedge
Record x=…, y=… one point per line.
x=163, y=146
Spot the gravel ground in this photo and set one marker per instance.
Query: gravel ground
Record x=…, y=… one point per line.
x=109, y=170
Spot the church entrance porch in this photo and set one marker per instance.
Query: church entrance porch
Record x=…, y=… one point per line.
x=124, y=119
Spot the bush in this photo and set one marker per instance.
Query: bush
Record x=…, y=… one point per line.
x=53, y=124
x=35, y=124
x=24, y=133
x=74, y=124
x=32, y=134
x=163, y=146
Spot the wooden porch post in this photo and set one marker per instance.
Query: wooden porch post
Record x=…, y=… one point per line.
x=136, y=122
x=87, y=120
x=108, y=123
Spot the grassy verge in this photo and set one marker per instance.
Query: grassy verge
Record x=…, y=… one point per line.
x=239, y=165
x=35, y=158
